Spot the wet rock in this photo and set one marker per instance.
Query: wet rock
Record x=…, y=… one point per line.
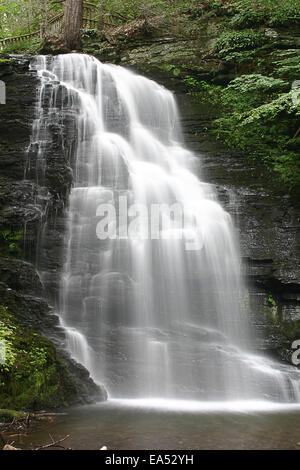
x=9, y=447
x=268, y=225
x=21, y=276
x=28, y=206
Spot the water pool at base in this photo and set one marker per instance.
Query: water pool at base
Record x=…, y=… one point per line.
x=136, y=425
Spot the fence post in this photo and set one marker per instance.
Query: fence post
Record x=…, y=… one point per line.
x=43, y=30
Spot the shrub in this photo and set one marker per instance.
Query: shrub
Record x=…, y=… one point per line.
x=249, y=91
x=239, y=40
x=271, y=12
x=266, y=130
x=32, y=375
x=30, y=46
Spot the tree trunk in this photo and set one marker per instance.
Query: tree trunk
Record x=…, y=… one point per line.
x=73, y=24
x=101, y=18
x=43, y=10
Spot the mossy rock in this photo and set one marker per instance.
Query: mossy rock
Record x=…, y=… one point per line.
x=260, y=115
x=11, y=241
x=7, y=416
x=32, y=375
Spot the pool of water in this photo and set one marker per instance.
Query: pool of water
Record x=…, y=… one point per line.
x=141, y=424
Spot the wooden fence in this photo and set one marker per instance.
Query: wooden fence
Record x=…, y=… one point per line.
x=54, y=26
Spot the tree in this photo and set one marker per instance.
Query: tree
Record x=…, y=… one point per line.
x=73, y=24
x=20, y=17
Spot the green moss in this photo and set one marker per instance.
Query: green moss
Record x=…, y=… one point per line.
x=270, y=111
x=249, y=91
x=258, y=117
x=230, y=41
x=30, y=46
x=289, y=66
x=10, y=415
x=271, y=12
x=170, y=68
x=11, y=241
x=32, y=376
x=202, y=91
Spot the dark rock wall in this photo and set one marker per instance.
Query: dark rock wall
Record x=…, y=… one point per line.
x=268, y=224
x=32, y=210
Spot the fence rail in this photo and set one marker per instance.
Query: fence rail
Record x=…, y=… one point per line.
x=90, y=20
x=23, y=37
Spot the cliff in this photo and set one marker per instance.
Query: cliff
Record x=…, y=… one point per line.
x=37, y=372
x=234, y=77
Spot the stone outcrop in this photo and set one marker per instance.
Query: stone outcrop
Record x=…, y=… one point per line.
x=267, y=220
x=28, y=205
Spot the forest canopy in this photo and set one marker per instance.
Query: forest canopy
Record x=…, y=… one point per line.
x=24, y=16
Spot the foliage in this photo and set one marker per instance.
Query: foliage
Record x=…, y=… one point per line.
x=270, y=111
x=271, y=300
x=260, y=118
x=21, y=17
x=248, y=91
x=230, y=41
x=202, y=91
x=89, y=33
x=32, y=46
x=288, y=67
x=11, y=415
x=32, y=375
x=11, y=241
x=171, y=68
x=135, y=9
x=270, y=12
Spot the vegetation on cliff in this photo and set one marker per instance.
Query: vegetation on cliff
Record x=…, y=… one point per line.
x=32, y=375
x=260, y=116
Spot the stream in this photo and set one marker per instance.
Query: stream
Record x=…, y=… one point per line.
x=126, y=426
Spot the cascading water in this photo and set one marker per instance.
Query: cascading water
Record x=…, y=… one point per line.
x=155, y=309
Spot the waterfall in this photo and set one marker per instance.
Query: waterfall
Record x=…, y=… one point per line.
x=151, y=292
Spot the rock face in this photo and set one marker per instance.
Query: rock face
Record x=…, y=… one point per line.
x=30, y=203
x=267, y=221
x=267, y=217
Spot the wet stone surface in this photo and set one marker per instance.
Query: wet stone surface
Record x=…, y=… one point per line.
x=267, y=222
x=32, y=202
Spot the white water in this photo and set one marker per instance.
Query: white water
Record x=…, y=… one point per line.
x=78, y=346
x=149, y=318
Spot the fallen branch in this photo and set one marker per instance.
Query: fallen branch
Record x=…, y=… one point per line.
x=47, y=413
x=55, y=443
x=297, y=133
